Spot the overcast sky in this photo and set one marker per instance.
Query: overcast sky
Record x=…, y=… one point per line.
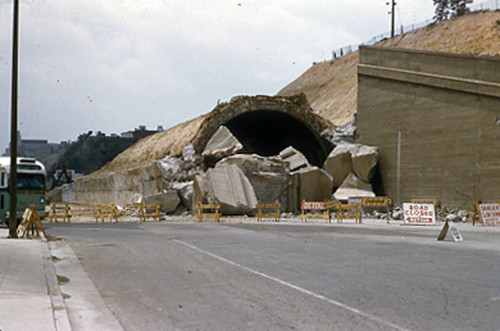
x=113, y=65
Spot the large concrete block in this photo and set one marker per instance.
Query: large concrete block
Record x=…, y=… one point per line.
x=185, y=191
x=353, y=187
x=222, y=143
x=364, y=160
x=295, y=158
x=168, y=200
x=227, y=185
x=269, y=177
x=199, y=191
x=315, y=184
x=339, y=163
x=346, y=158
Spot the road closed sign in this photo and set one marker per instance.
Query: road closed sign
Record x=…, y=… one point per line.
x=419, y=213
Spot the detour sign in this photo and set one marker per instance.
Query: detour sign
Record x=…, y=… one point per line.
x=419, y=213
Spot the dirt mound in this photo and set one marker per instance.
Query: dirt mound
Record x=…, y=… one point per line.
x=331, y=86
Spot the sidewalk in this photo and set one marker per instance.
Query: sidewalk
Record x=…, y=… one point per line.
x=30, y=298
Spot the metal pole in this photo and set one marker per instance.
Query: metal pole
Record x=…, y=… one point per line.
x=13, y=129
x=393, y=4
x=398, y=175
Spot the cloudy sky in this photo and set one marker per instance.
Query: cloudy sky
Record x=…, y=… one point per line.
x=113, y=65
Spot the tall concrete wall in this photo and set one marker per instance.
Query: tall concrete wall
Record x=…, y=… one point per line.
x=446, y=110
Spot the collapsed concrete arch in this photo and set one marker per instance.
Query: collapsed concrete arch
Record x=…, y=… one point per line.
x=266, y=125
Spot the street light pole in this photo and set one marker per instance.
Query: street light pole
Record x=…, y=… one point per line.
x=393, y=4
x=13, y=128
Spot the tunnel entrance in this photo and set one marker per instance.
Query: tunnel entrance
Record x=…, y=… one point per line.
x=268, y=132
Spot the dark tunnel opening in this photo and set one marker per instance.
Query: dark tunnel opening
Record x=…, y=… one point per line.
x=268, y=132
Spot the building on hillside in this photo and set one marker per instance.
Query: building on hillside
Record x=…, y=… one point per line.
x=435, y=118
x=141, y=132
x=37, y=148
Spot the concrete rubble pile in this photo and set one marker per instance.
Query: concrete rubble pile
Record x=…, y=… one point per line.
x=269, y=176
x=352, y=167
x=235, y=181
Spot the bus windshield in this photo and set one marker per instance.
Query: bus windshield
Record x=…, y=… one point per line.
x=30, y=182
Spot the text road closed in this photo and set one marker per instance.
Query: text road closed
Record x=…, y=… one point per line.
x=419, y=213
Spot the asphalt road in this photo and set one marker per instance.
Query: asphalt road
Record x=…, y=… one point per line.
x=233, y=276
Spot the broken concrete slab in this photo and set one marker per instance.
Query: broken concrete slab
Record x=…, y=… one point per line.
x=353, y=187
x=315, y=184
x=295, y=158
x=168, y=200
x=269, y=176
x=339, y=163
x=222, y=143
x=227, y=185
x=177, y=170
x=185, y=191
x=364, y=160
x=199, y=191
x=347, y=157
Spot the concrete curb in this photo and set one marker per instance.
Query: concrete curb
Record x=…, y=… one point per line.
x=59, y=310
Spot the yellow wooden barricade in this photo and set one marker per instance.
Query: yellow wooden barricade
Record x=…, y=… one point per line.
x=276, y=215
x=30, y=222
x=377, y=202
x=325, y=209
x=103, y=212
x=60, y=212
x=146, y=211
x=431, y=201
x=349, y=212
x=476, y=216
x=201, y=214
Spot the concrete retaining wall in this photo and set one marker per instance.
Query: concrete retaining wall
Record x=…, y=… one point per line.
x=446, y=109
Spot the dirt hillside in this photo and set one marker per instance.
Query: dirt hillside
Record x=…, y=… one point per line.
x=331, y=86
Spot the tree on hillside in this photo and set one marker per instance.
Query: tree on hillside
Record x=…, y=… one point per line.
x=445, y=9
x=459, y=7
x=442, y=10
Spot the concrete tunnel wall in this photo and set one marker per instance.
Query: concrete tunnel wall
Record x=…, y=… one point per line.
x=267, y=125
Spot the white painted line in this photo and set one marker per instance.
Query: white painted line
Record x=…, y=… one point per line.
x=295, y=287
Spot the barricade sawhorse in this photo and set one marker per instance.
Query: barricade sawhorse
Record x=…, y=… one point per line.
x=146, y=211
x=30, y=222
x=60, y=212
x=325, y=209
x=103, y=212
x=276, y=215
x=476, y=216
x=377, y=202
x=201, y=214
x=342, y=209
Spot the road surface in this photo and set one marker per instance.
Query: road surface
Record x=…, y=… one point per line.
x=233, y=276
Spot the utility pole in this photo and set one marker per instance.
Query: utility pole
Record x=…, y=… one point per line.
x=13, y=127
x=392, y=12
